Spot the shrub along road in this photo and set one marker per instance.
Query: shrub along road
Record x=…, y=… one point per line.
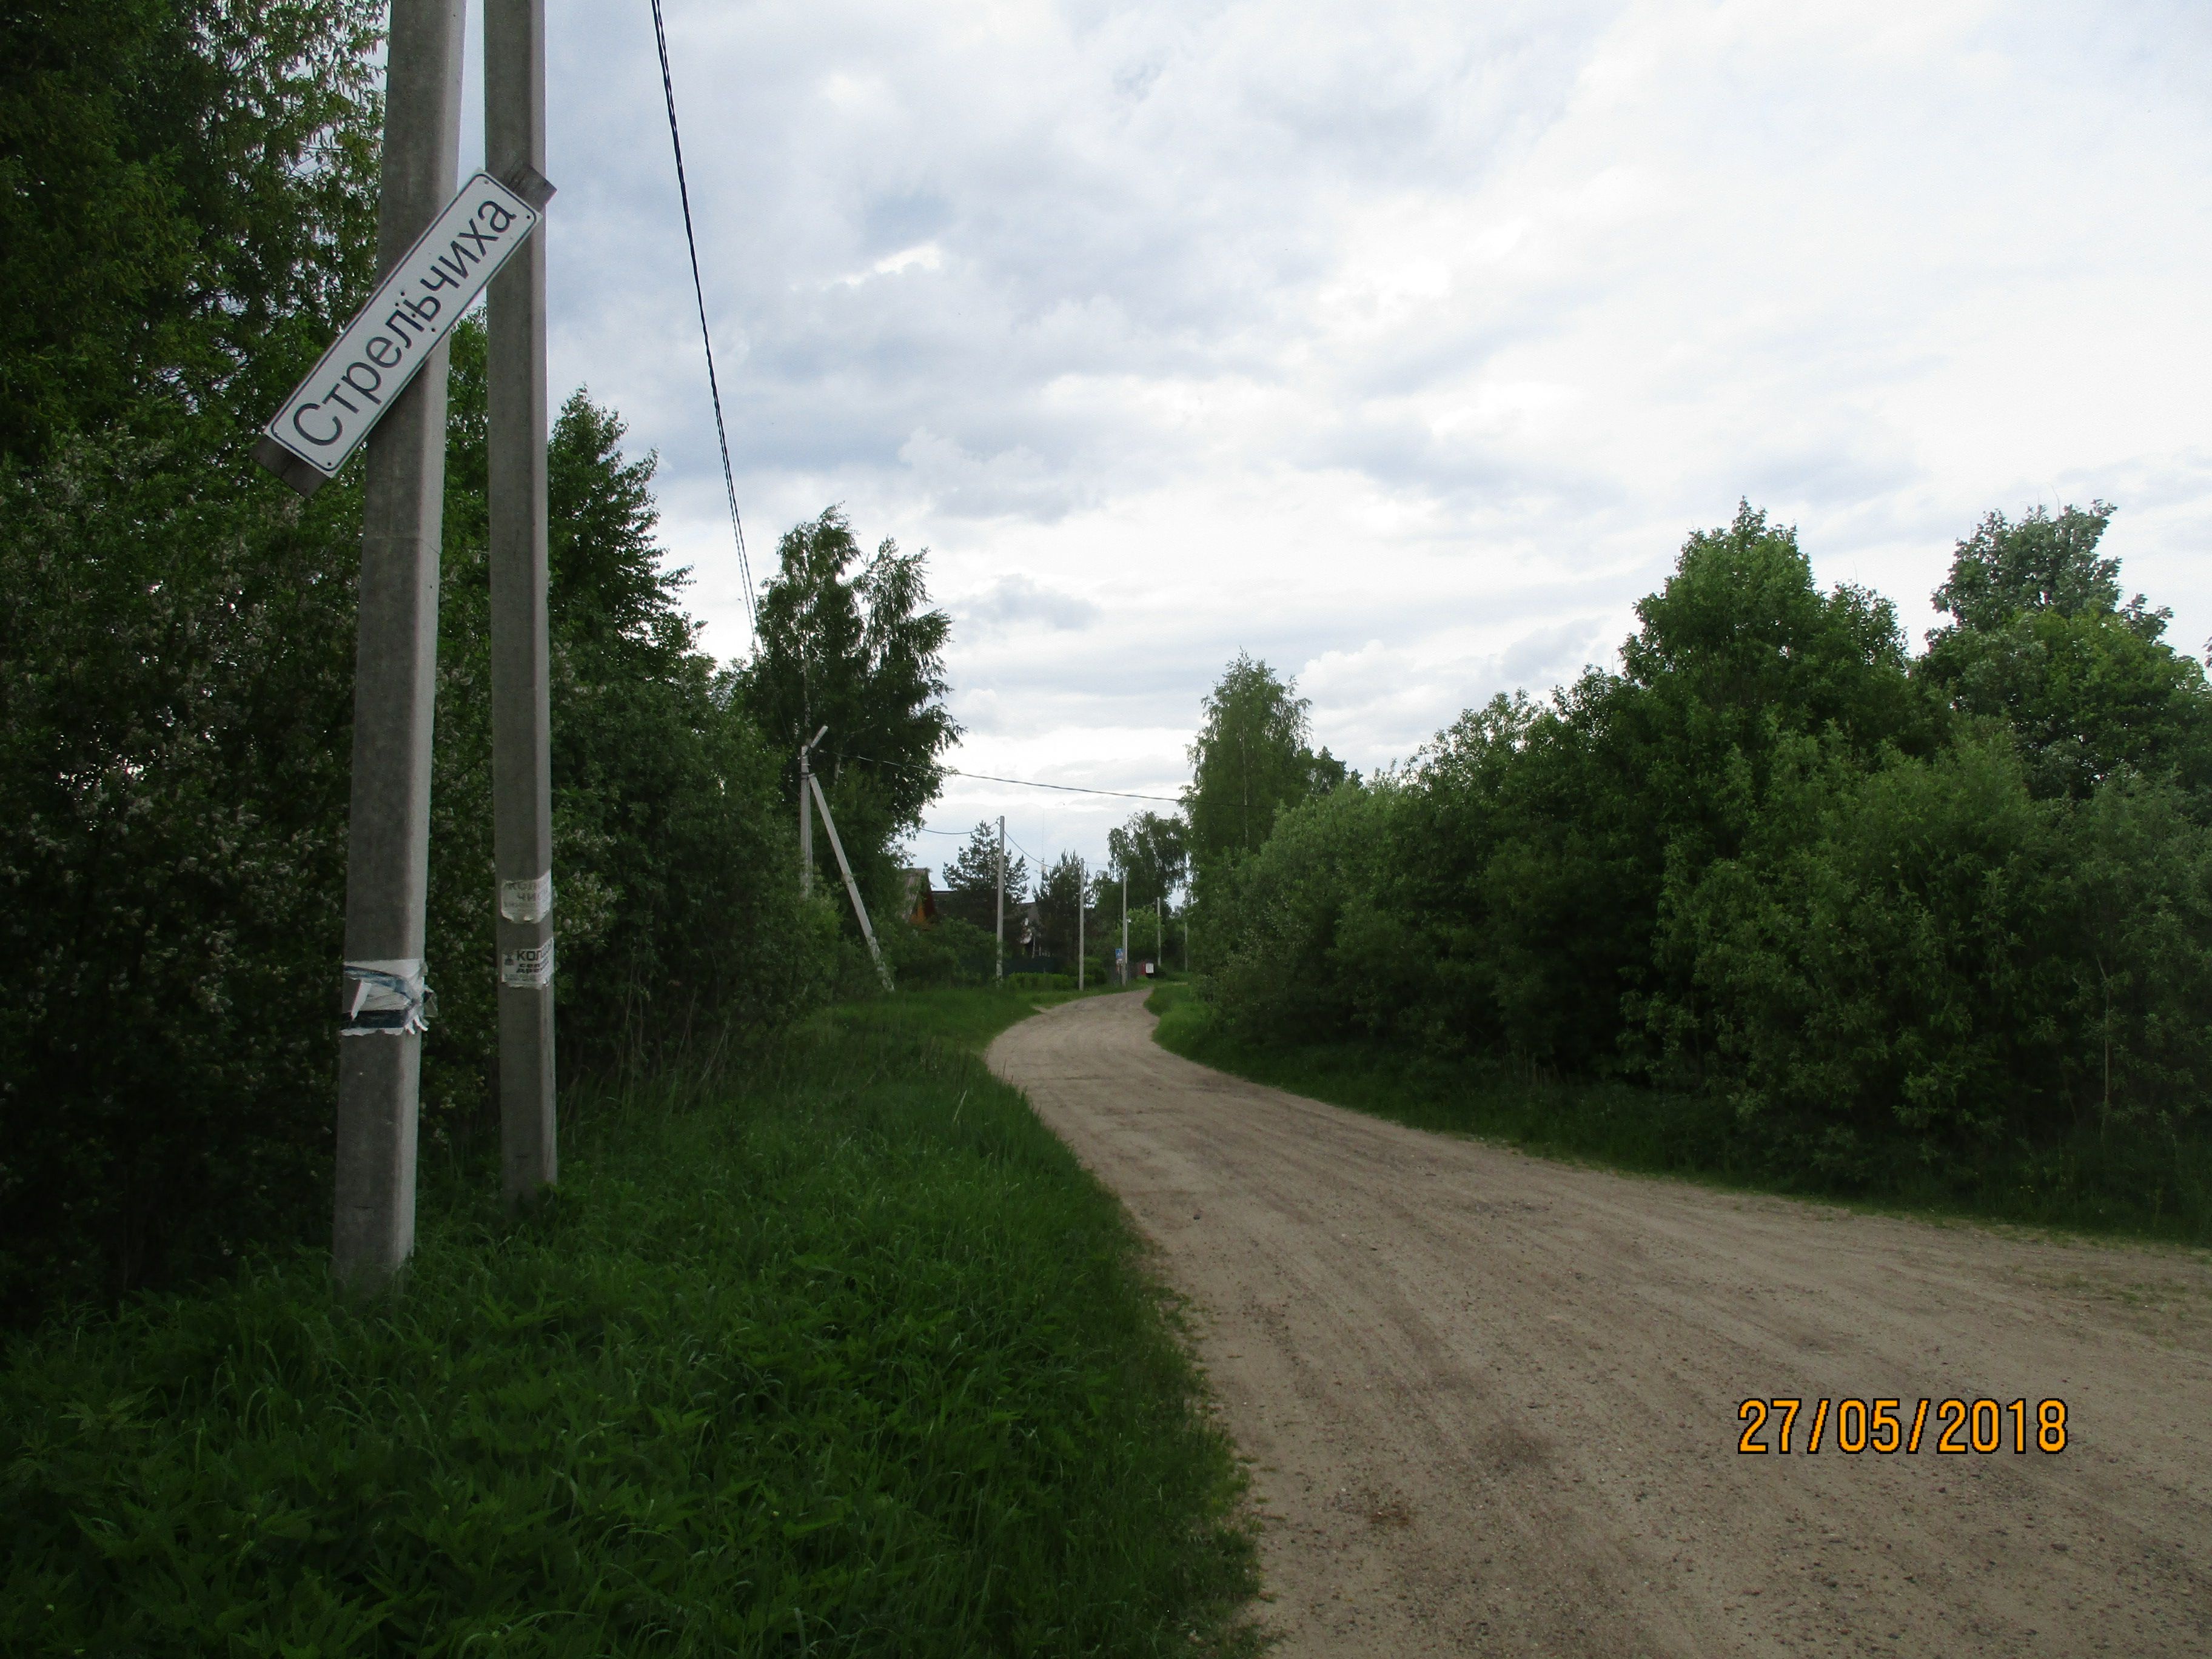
x=1492, y=1400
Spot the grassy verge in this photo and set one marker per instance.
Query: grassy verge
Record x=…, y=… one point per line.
x=843, y=1355
x=2135, y=1187
x=966, y=1017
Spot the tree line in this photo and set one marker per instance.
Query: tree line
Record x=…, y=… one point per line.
x=1042, y=906
x=187, y=218
x=1939, y=914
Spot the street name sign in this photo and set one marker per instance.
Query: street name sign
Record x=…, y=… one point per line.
x=388, y=341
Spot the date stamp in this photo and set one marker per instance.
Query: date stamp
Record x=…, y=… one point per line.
x=1958, y=1427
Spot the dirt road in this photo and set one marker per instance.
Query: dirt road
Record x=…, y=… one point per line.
x=1491, y=1401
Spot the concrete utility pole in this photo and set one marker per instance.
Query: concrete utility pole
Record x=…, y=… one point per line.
x=852, y=887
x=521, y=717
x=1082, y=903
x=806, y=814
x=1125, y=926
x=1001, y=957
x=395, y=679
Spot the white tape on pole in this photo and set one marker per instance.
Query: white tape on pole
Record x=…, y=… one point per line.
x=386, y=344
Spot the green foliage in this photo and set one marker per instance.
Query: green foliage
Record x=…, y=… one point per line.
x=174, y=738
x=175, y=710
x=1923, y=958
x=186, y=211
x=860, y=652
x=1899, y=922
x=970, y=891
x=2042, y=645
x=1153, y=850
x=2127, y=1183
x=851, y=1358
x=966, y=1017
x=948, y=951
x=1249, y=762
x=1060, y=898
x=677, y=921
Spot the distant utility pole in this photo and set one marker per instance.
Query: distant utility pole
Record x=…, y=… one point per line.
x=806, y=814
x=1082, y=903
x=395, y=682
x=1125, y=926
x=521, y=717
x=1001, y=955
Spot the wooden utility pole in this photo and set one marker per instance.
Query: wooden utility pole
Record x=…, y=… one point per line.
x=1000, y=973
x=1082, y=903
x=395, y=680
x=521, y=712
x=1125, y=926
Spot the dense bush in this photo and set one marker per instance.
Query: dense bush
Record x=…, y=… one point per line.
x=175, y=737
x=186, y=206
x=1934, y=911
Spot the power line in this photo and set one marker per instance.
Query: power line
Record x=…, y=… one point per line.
x=699, y=291
x=1071, y=788
x=1025, y=783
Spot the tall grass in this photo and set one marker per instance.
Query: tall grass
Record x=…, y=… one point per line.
x=2135, y=1182
x=843, y=1354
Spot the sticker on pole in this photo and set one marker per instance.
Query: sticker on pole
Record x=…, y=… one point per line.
x=529, y=969
x=386, y=344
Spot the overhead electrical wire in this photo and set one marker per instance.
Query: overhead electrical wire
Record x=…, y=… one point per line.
x=699, y=291
x=1025, y=783
x=1071, y=788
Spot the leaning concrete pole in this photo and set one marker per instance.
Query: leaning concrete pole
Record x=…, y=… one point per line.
x=395, y=674
x=521, y=719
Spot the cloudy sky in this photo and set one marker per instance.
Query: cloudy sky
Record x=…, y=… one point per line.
x=1399, y=344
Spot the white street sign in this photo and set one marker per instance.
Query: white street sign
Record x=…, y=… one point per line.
x=325, y=418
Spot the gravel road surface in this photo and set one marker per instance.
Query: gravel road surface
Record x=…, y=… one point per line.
x=1492, y=1400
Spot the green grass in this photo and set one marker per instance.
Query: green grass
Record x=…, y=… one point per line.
x=965, y=1017
x=2132, y=1186
x=844, y=1356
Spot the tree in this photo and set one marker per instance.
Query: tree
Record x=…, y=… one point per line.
x=670, y=834
x=1249, y=761
x=859, y=651
x=187, y=211
x=1152, y=849
x=2042, y=643
x=1059, y=897
x=971, y=879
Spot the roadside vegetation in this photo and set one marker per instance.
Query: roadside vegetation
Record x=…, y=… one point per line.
x=189, y=216
x=836, y=1351
x=1776, y=900
x=823, y=1345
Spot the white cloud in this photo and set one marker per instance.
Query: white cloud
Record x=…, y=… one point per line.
x=1399, y=343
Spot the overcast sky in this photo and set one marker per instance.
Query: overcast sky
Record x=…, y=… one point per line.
x=1399, y=344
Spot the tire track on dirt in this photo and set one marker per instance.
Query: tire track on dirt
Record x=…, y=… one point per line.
x=1491, y=1400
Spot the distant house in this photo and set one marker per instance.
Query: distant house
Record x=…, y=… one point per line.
x=921, y=902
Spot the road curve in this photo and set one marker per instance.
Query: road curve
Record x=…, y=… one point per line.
x=1492, y=1400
